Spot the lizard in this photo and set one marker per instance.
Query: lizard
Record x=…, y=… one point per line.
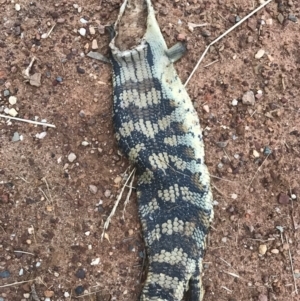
x=158, y=129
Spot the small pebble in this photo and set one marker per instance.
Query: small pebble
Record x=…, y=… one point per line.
x=292, y=18
x=66, y=295
x=95, y=261
x=94, y=44
x=260, y=53
x=274, y=251
x=47, y=299
x=107, y=193
x=248, y=98
x=92, y=30
x=206, y=108
x=118, y=180
x=280, y=18
x=234, y=102
x=17, y=7
x=267, y=151
x=12, y=100
x=59, y=79
x=84, y=143
x=80, y=274
x=12, y=112
x=26, y=295
x=80, y=70
x=130, y=232
x=255, y=154
x=16, y=137
x=6, y=93
x=48, y=294
x=93, y=189
x=262, y=249
x=21, y=272
x=71, y=157
x=82, y=31
x=41, y=135
x=79, y=290
x=4, y=274
x=234, y=196
x=83, y=21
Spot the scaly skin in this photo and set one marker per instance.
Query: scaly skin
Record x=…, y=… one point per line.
x=158, y=129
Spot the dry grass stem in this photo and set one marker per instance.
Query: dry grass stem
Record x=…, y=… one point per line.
x=23, y=252
x=222, y=36
x=16, y=283
x=128, y=194
x=107, y=222
x=211, y=63
x=28, y=121
x=292, y=266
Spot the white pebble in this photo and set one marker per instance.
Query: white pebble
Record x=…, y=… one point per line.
x=71, y=157
x=44, y=36
x=234, y=102
x=234, y=196
x=38, y=264
x=206, y=108
x=12, y=112
x=83, y=21
x=21, y=272
x=12, y=100
x=92, y=30
x=255, y=153
x=260, y=53
x=47, y=299
x=95, y=261
x=41, y=135
x=93, y=189
x=26, y=295
x=17, y=7
x=84, y=143
x=87, y=233
x=82, y=31
x=75, y=5
x=66, y=295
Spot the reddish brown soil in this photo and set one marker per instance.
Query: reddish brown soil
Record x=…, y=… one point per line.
x=41, y=192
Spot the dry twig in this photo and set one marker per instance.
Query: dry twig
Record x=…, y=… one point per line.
x=29, y=121
x=222, y=36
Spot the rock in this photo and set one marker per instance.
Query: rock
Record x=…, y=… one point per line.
x=80, y=274
x=80, y=70
x=95, y=261
x=92, y=30
x=41, y=135
x=255, y=154
x=280, y=18
x=6, y=93
x=206, y=108
x=79, y=290
x=82, y=31
x=17, y=7
x=292, y=18
x=94, y=44
x=66, y=295
x=118, y=180
x=248, y=98
x=48, y=294
x=71, y=157
x=16, y=137
x=4, y=274
x=12, y=100
x=107, y=193
x=93, y=189
x=234, y=102
x=12, y=112
x=260, y=53
x=84, y=143
x=262, y=249
x=275, y=251
x=283, y=199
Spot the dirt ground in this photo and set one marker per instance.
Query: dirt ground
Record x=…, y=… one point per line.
x=53, y=206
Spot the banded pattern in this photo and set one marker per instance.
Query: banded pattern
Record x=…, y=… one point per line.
x=158, y=129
